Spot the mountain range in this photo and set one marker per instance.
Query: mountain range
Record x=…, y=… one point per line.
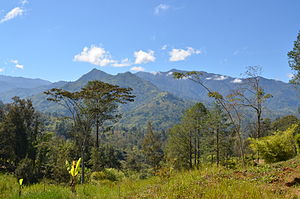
x=9, y=83
x=160, y=98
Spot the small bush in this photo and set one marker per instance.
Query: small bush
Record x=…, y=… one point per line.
x=297, y=140
x=278, y=147
x=231, y=163
x=108, y=174
x=26, y=171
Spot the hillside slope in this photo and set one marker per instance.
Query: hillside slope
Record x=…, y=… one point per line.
x=274, y=181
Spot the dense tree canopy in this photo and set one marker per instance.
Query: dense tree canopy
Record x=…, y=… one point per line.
x=294, y=60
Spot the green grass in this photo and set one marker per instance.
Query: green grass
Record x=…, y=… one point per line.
x=216, y=183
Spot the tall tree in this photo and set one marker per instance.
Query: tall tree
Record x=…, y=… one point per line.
x=194, y=121
x=152, y=148
x=83, y=113
x=18, y=131
x=184, y=140
x=218, y=133
x=101, y=101
x=294, y=60
x=1, y=111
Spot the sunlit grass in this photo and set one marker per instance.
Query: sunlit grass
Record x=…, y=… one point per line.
x=210, y=182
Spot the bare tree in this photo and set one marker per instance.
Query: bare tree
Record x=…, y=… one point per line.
x=252, y=95
x=229, y=106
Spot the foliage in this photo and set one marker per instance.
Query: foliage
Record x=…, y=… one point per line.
x=152, y=148
x=219, y=138
x=283, y=123
x=252, y=95
x=97, y=159
x=20, y=186
x=294, y=60
x=184, y=140
x=52, y=152
x=297, y=141
x=83, y=113
x=228, y=105
x=277, y=147
x=73, y=170
x=110, y=174
x=19, y=131
x=106, y=156
x=26, y=170
x=134, y=160
x=208, y=182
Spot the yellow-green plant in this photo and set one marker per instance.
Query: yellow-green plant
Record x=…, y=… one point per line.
x=280, y=146
x=73, y=171
x=20, y=186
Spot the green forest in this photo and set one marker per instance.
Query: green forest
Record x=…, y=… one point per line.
x=226, y=149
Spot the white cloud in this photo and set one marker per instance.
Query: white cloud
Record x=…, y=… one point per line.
x=23, y=2
x=99, y=56
x=1, y=70
x=17, y=64
x=142, y=57
x=185, y=78
x=161, y=7
x=137, y=68
x=164, y=47
x=290, y=76
x=20, y=66
x=123, y=63
x=95, y=55
x=219, y=78
x=181, y=54
x=169, y=74
x=12, y=14
x=155, y=73
x=14, y=61
x=237, y=81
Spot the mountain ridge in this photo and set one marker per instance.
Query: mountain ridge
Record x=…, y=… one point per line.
x=159, y=97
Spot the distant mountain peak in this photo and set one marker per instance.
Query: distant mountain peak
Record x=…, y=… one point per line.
x=94, y=74
x=175, y=70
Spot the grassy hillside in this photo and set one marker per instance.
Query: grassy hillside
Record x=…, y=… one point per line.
x=266, y=181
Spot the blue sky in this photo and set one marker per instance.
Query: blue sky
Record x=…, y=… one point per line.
x=63, y=39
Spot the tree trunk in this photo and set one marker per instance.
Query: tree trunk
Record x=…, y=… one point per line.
x=195, y=151
x=218, y=148
x=190, y=152
x=97, y=133
x=198, y=145
x=82, y=164
x=258, y=125
x=258, y=131
x=241, y=147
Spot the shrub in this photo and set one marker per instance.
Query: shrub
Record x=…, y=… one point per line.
x=26, y=171
x=108, y=174
x=297, y=140
x=278, y=147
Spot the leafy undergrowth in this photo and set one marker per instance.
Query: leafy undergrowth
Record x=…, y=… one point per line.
x=265, y=181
